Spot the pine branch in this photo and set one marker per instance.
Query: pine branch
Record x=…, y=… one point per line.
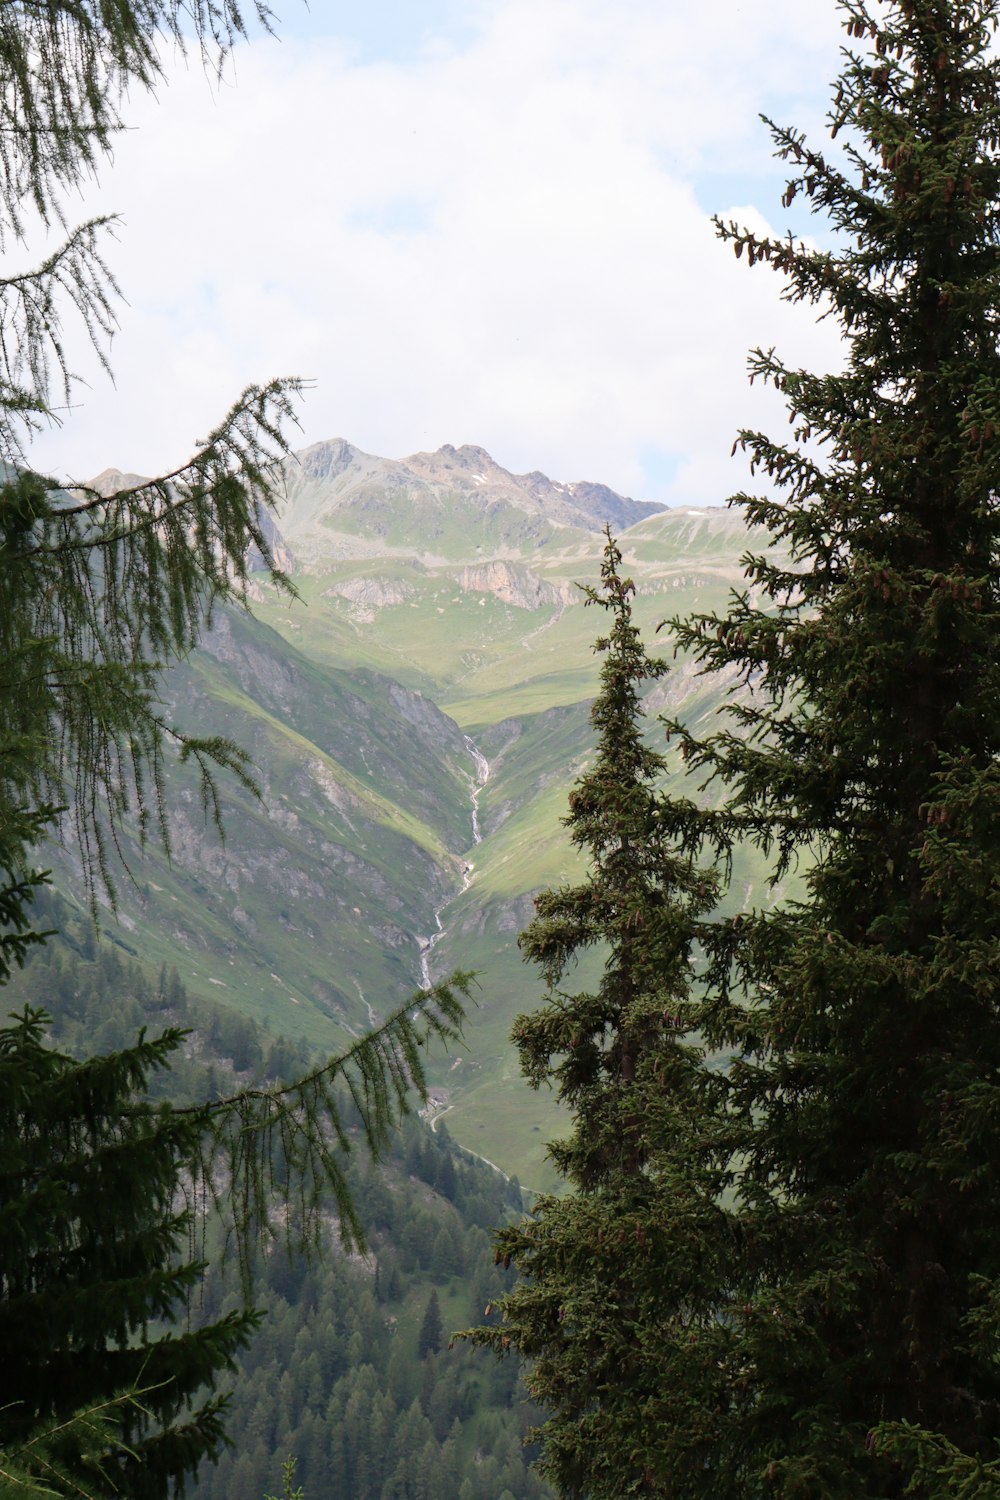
x=68, y=63
x=293, y=1139
x=33, y=1467
x=30, y=330
x=110, y=592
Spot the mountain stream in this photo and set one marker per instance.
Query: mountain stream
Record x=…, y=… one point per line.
x=476, y=784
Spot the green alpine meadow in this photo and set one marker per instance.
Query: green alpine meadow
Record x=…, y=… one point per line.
x=415, y=723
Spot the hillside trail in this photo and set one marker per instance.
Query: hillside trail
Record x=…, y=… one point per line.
x=525, y=644
x=477, y=782
x=432, y=1121
x=545, y=625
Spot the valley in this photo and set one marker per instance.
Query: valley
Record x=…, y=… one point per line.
x=415, y=719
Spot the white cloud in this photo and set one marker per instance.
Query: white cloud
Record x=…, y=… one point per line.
x=501, y=242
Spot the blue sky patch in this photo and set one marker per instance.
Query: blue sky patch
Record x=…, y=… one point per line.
x=659, y=469
x=379, y=30
x=396, y=215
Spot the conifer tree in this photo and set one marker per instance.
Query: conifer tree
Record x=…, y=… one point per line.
x=429, y=1338
x=33, y=1464
x=867, y=1071
x=849, y=1348
x=92, y=1243
x=98, y=593
x=617, y=1274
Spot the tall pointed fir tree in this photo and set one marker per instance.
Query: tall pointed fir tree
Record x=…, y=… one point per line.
x=98, y=593
x=617, y=1274
x=855, y=1330
x=868, y=1049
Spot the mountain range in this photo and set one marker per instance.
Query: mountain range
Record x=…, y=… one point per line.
x=416, y=719
x=455, y=504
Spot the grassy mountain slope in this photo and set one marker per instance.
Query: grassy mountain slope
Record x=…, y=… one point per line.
x=440, y=617
x=311, y=910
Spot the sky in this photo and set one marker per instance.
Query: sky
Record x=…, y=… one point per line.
x=462, y=221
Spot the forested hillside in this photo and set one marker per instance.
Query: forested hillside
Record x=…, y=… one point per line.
x=351, y=1372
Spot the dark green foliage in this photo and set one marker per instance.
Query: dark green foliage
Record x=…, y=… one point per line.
x=867, y=1078
x=618, y=1274
x=90, y=986
x=289, y=1129
x=293, y=1138
x=326, y=1315
x=97, y=997
x=98, y=593
x=335, y=1378
x=49, y=1459
x=429, y=1337
x=91, y=1240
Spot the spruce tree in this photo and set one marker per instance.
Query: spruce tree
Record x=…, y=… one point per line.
x=431, y=1333
x=867, y=1047
x=94, y=1248
x=848, y=1347
x=618, y=1273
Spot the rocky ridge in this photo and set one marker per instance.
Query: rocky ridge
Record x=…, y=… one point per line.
x=449, y=505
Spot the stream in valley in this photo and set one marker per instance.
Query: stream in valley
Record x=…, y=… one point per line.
x=476, y=783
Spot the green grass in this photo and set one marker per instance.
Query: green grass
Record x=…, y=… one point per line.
x=366, y=818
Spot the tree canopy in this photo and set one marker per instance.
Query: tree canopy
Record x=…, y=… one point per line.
x=90, y=1238
x=619, y=1271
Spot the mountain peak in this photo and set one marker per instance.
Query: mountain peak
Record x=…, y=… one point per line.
x=456, y=503
x=448, y=462
x=328, y=459
x=469, y=453
x=109, y=481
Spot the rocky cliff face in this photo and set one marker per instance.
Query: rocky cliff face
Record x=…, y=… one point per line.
x=369, y=594
x=284, y=557
x=514, y=585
